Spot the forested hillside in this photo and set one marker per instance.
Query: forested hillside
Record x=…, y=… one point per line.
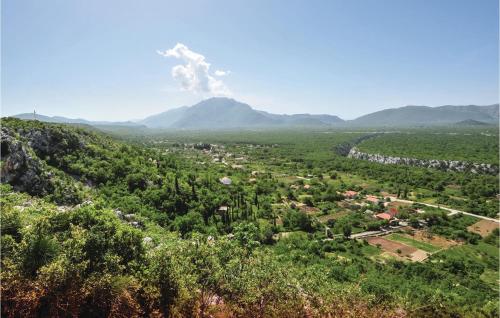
x=470, y=146
x=95, y=226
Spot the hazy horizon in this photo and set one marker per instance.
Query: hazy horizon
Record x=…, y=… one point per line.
x=148, y=115
x=119, y=61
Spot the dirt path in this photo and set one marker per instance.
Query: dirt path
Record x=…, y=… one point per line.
x=452, y=211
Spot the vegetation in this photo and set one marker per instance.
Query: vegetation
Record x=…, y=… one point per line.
x=149, y=229
x=465, y=145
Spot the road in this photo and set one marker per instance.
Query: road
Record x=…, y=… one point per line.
x=452, y=211
x=367, y=233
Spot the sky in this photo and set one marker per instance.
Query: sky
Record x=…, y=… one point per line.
x=121, y=60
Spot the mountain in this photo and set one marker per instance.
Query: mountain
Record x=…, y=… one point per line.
x=425, y=115
x=65, y=120
x=227, y=113
x=471, y=122
x=305, y=119
x=213, y=113
x=165, y=119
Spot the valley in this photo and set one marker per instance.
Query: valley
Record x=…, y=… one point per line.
x=250, y=159
x=204, y=223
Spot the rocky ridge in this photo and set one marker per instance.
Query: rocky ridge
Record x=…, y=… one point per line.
x=28, y=164
x=21, y=167
x=446, y=165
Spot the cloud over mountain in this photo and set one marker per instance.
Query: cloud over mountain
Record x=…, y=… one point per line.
x=222, y=73
x=194, y=75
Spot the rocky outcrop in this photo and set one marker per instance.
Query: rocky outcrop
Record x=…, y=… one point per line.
x=46, y=142
x=343, y=149
x=21, y=167
x=446, y=165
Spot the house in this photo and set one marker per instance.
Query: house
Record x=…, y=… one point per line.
x=223, y=209
x=225, y=181
x=384, y=216
x=372, y=199
x=393, y=212
x=350, y=194
x=307, y=186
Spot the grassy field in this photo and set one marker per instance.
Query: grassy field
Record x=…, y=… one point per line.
x=409, y=241
x=491, y=278
x=370, y=250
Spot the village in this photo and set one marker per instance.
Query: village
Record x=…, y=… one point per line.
x=391, y=224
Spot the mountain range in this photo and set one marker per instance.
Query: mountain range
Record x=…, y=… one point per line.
x=65, y=120
x=219, y=112
x=227, y=113
x=421, y=115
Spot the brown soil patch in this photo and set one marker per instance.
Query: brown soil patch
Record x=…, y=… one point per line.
x=397, y=204
x=308, y=209
x=391, y=246
x=433, y=239
x=387, y=194
x=279, y=221
x=419, y=256
x=483, y=227
x=344, y=204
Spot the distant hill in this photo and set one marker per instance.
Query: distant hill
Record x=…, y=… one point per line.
x=165, y=119
x=227, y=113
x=472, y=122
x=306, y=119
x=65, y=120
x=425, y=115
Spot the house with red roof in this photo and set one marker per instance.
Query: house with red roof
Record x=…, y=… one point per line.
x=372, y=199
x=384, y=216
x=389, y=215
x=350, y=194
x=393, y=212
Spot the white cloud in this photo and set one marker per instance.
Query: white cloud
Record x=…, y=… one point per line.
x=221, y=73
x=194, y=74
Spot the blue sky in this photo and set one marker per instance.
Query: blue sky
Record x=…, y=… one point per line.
x=100, y=59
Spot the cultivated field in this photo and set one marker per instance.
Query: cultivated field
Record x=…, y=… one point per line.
x=398, y=249
x=435, y=240
x=408, y=240
x=483, y=227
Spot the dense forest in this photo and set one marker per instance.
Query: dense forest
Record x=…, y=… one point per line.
x=234, y=224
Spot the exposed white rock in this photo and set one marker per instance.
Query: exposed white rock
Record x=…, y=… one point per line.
x=446, y=165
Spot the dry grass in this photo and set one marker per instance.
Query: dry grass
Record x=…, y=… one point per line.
x=483, y=227
x=433, y=239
